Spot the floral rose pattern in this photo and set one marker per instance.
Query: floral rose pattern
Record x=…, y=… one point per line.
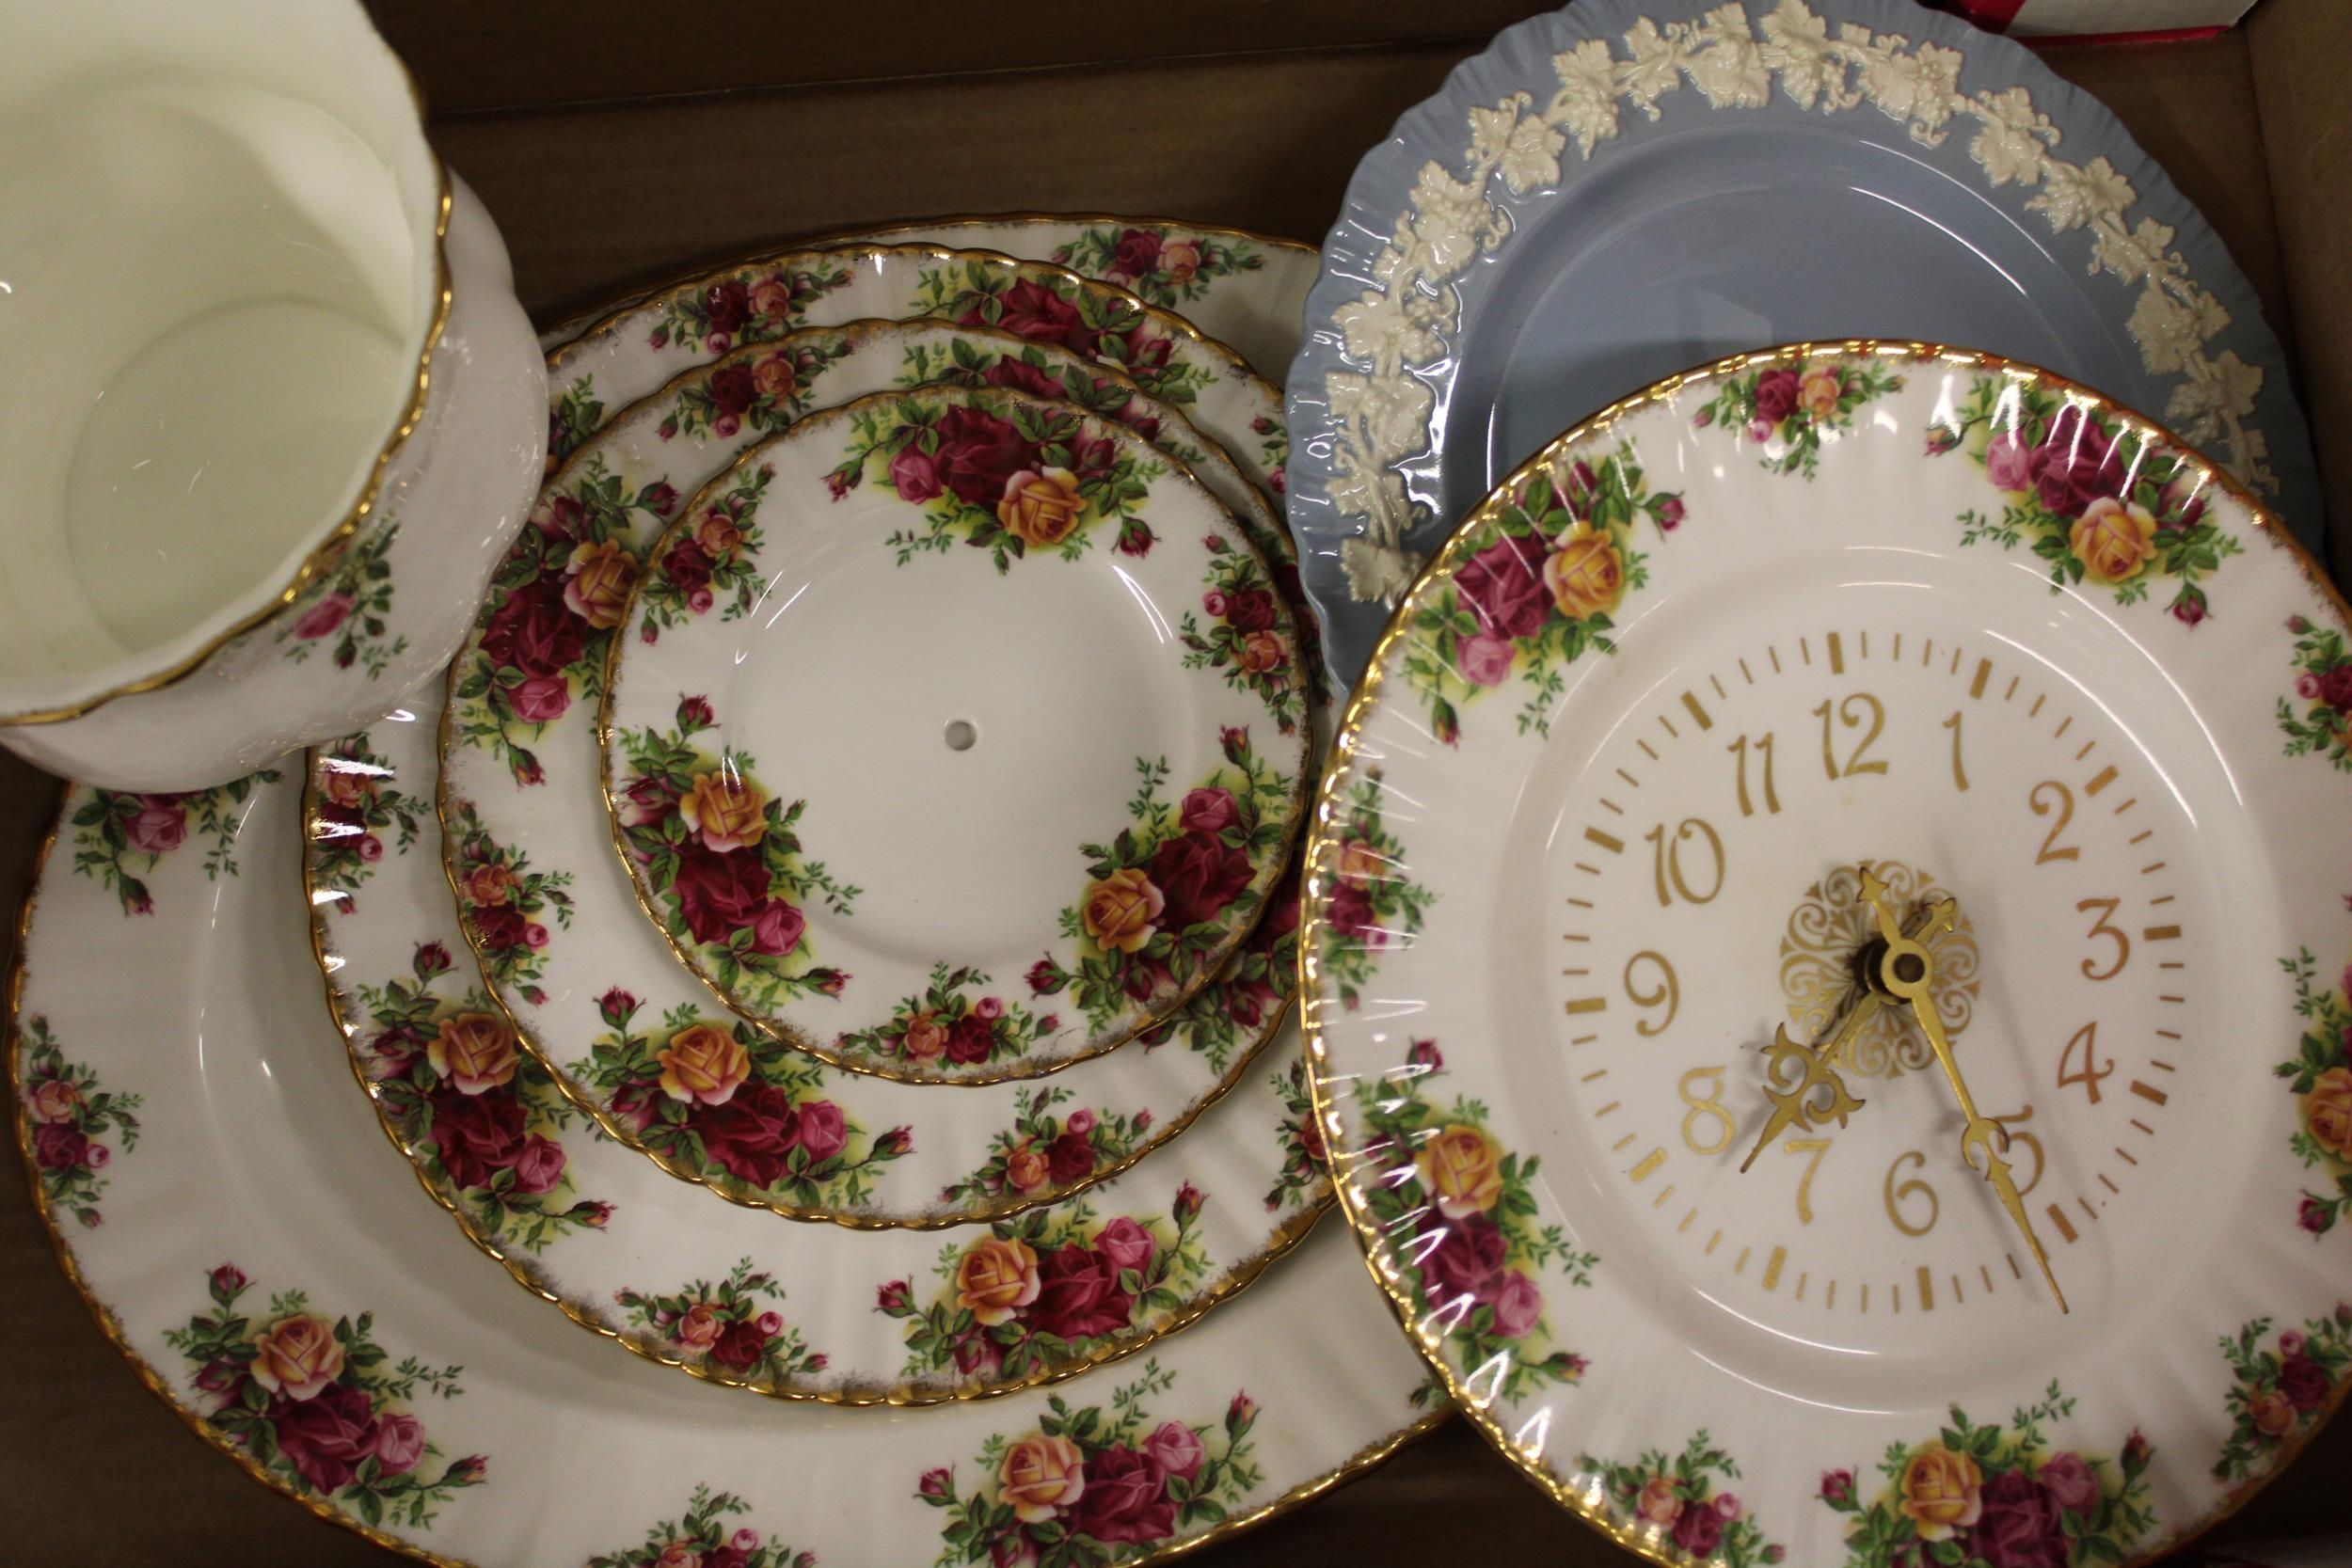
x=119, y=838
x=2001, y=1498
x=1248, y=633
x=2283, y=1388
x=1041, y=370
x=1274, y=449
x=999, y=473
x=732, y=1106
x=947, y=1023
x=482, y=1119
x=1047, y=1151
x=1679, y=1503
x=721, y=860
x=355, y=807
x=1534, y=588
x=734, y=1330
x=69, y=1122
x=1029, y=303
x=2085, y=494
x=762, y=388
x=1304, y=1178
x=704, y=1539
x=706, y=557
x=1789, y=409
x=1157, y=896
x=346, y=611
x=1242, y=1005
x=1486, y=1274
x=2320, y=1077
x=319, y=1406
x=1166, y=266
x=2322, y=687
x=1033, y=1291
x=746, y=305
x=1374, y=903
x=575, y=413
x=1094, y=1486
x=505, y=902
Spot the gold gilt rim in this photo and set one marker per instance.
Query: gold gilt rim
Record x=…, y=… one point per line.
x=324, y=555
x=1371, y=1457
x=1212, y=964
x=622, y=299
x=1321, y=843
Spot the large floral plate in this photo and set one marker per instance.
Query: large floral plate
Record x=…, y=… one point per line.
x=1823, y=958
x=1242, y=288
x=221, y=1197
x=627, y=1251
x=953, y=681
x=634, y=350
x=1627, y=187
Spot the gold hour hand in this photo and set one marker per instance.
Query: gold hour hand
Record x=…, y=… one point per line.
x=1804, y=1084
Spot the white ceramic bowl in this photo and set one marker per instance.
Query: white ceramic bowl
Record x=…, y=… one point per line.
x=273, y=411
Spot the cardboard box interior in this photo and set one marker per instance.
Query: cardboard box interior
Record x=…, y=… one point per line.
x=616, y=143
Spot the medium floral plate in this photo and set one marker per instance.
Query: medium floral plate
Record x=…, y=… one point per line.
x=637, y=348
x=1830, y=1014
x=1625, y=187
x=1244, y=289
x=243, y=1235
x=930, y=610
x=627, y=1251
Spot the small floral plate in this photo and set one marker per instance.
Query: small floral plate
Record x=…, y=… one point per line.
x=1823, y=958
x=922, y=610
x=197, y=1147
x=623, y=1249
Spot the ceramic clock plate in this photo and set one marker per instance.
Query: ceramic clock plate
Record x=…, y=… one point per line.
x=1618, y=190
x=221, y=1197
x=866, y=686
x=1825, y=665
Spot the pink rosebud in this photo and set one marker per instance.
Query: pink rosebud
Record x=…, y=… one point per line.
x=745, y=1540
x=693, y=713
x=1044, y=977
x=595, y=1214
x=2189, y=609
x=1728, y=1506
x=893, y=1143
x=1669, y=512
x=937, y=1481
x=2307, y=687
x=616, y=1005
x=1760, y=430
x=988, y=1007
x=725, y=425
x=893, y=1298
x=1143, y=1121
x=2291, y=1343
x=1425, y=1055
x=534, y=935
x=1941, y=439
x=771, y=1323
x=1241, y=1412
x=661, y=499
x=370, y=848
x=1235, y=741
x=1189, y=1202
x=227, y=1280
x=1214, y=544
x=432, y=958
x=1080, y=1122
x=469, y=1470
x=2316, y=1217
x=1049, y=1024
x=96, y=1156
x=700, y=601
x=719, y=343
x=1214, y=603
x=1837, y=1486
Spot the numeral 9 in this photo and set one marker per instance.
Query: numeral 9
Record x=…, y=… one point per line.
x=1667, y=994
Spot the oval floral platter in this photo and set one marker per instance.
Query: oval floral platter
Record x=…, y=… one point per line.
x=622, y=488
x=1625, y=187
x=259, y=1256
x=723, y=1290
x=915, y=664
x=1246, y=290
x=1825, y=976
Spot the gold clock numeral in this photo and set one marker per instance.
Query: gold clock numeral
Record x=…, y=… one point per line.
x=1853, y=719
x=2010, y=1125
x=1816, y=1147
x=1668, y=994
x=1764, y=753
x=1960, y=774
x=1907, y=1191
x=2063, y=804
x=2089, y=1074
x=1666, y=861
x=2100, y=926
x=1709, y=1104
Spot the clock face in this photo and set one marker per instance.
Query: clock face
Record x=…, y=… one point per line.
x=1822, y=956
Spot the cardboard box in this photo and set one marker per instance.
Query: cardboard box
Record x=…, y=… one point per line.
x=616, y=142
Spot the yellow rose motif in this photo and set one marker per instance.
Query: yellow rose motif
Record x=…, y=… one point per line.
x=2113, y=539
x=717, y=533
x=347, y=786
x=678, y=1553
x=1462, y=1170
x=1040, y=1476
x=1118, y=911
x=2328, y=1111
x=1658, y=1502
x=1180, y=260
x=1360, y=864
x=1818, y=390
x=489, y=886
x=296, y=1356
x=474, y=1051
x=926, y=1037
x=699, y=1327
x=596, y=582
x=996, y=1278
x=53, y=1099
x=1026, y=1168
x=777, y=379
x=1040, y=508
x=1942, y=1491
x=1584, y=574
x=1262, y=651
x=704, y=1063
x=2271, y=1412
x=728, y=810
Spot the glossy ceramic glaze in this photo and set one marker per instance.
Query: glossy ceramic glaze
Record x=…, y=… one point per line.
x=1618, y=191
x=1595, y=830
x=262, y=492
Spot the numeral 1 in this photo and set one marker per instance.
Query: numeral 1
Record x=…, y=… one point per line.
x=1960, y=774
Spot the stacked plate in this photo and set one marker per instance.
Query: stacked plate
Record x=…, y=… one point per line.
x=832, y=938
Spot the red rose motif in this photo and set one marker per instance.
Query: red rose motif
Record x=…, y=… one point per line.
x=726, y=1557
x=970, y=1041
x=741, y=1345
x=1698, y=1530
x=1208, y=810
x=1176, y=1448
x=159, y=826
x=1503, y=586
x=327, y=1435
x=1020, y=376
x=688, y=565
x=1146, y=978
x=1138, y=253
x=2076, y=464
x=533, y=631
x=977, y=453
x=502, y=927
x=1145, y=351
x=539, y=1166
x=2303, y=1383
x=1036, y=312
x=1775, y=395
x=753, y=1135
x=1199, y=874
x=1352, y=916
x=2070, y=1483
x=718, y=893
x=732, y=390
x=1248, y=1002
x=1466, y=1262
x=725, y=305
x=1078, y=1295
x=2335, y=688
x=778, y=928
x=1127, y=1244
x=2018, y=1526
x=1125, y=1499
x=476, y=1135
x=60, y=1145
x=541, y=699
x=322, y=617
x=1070, y=1156
x=824, y=1131
x=1249, y=610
